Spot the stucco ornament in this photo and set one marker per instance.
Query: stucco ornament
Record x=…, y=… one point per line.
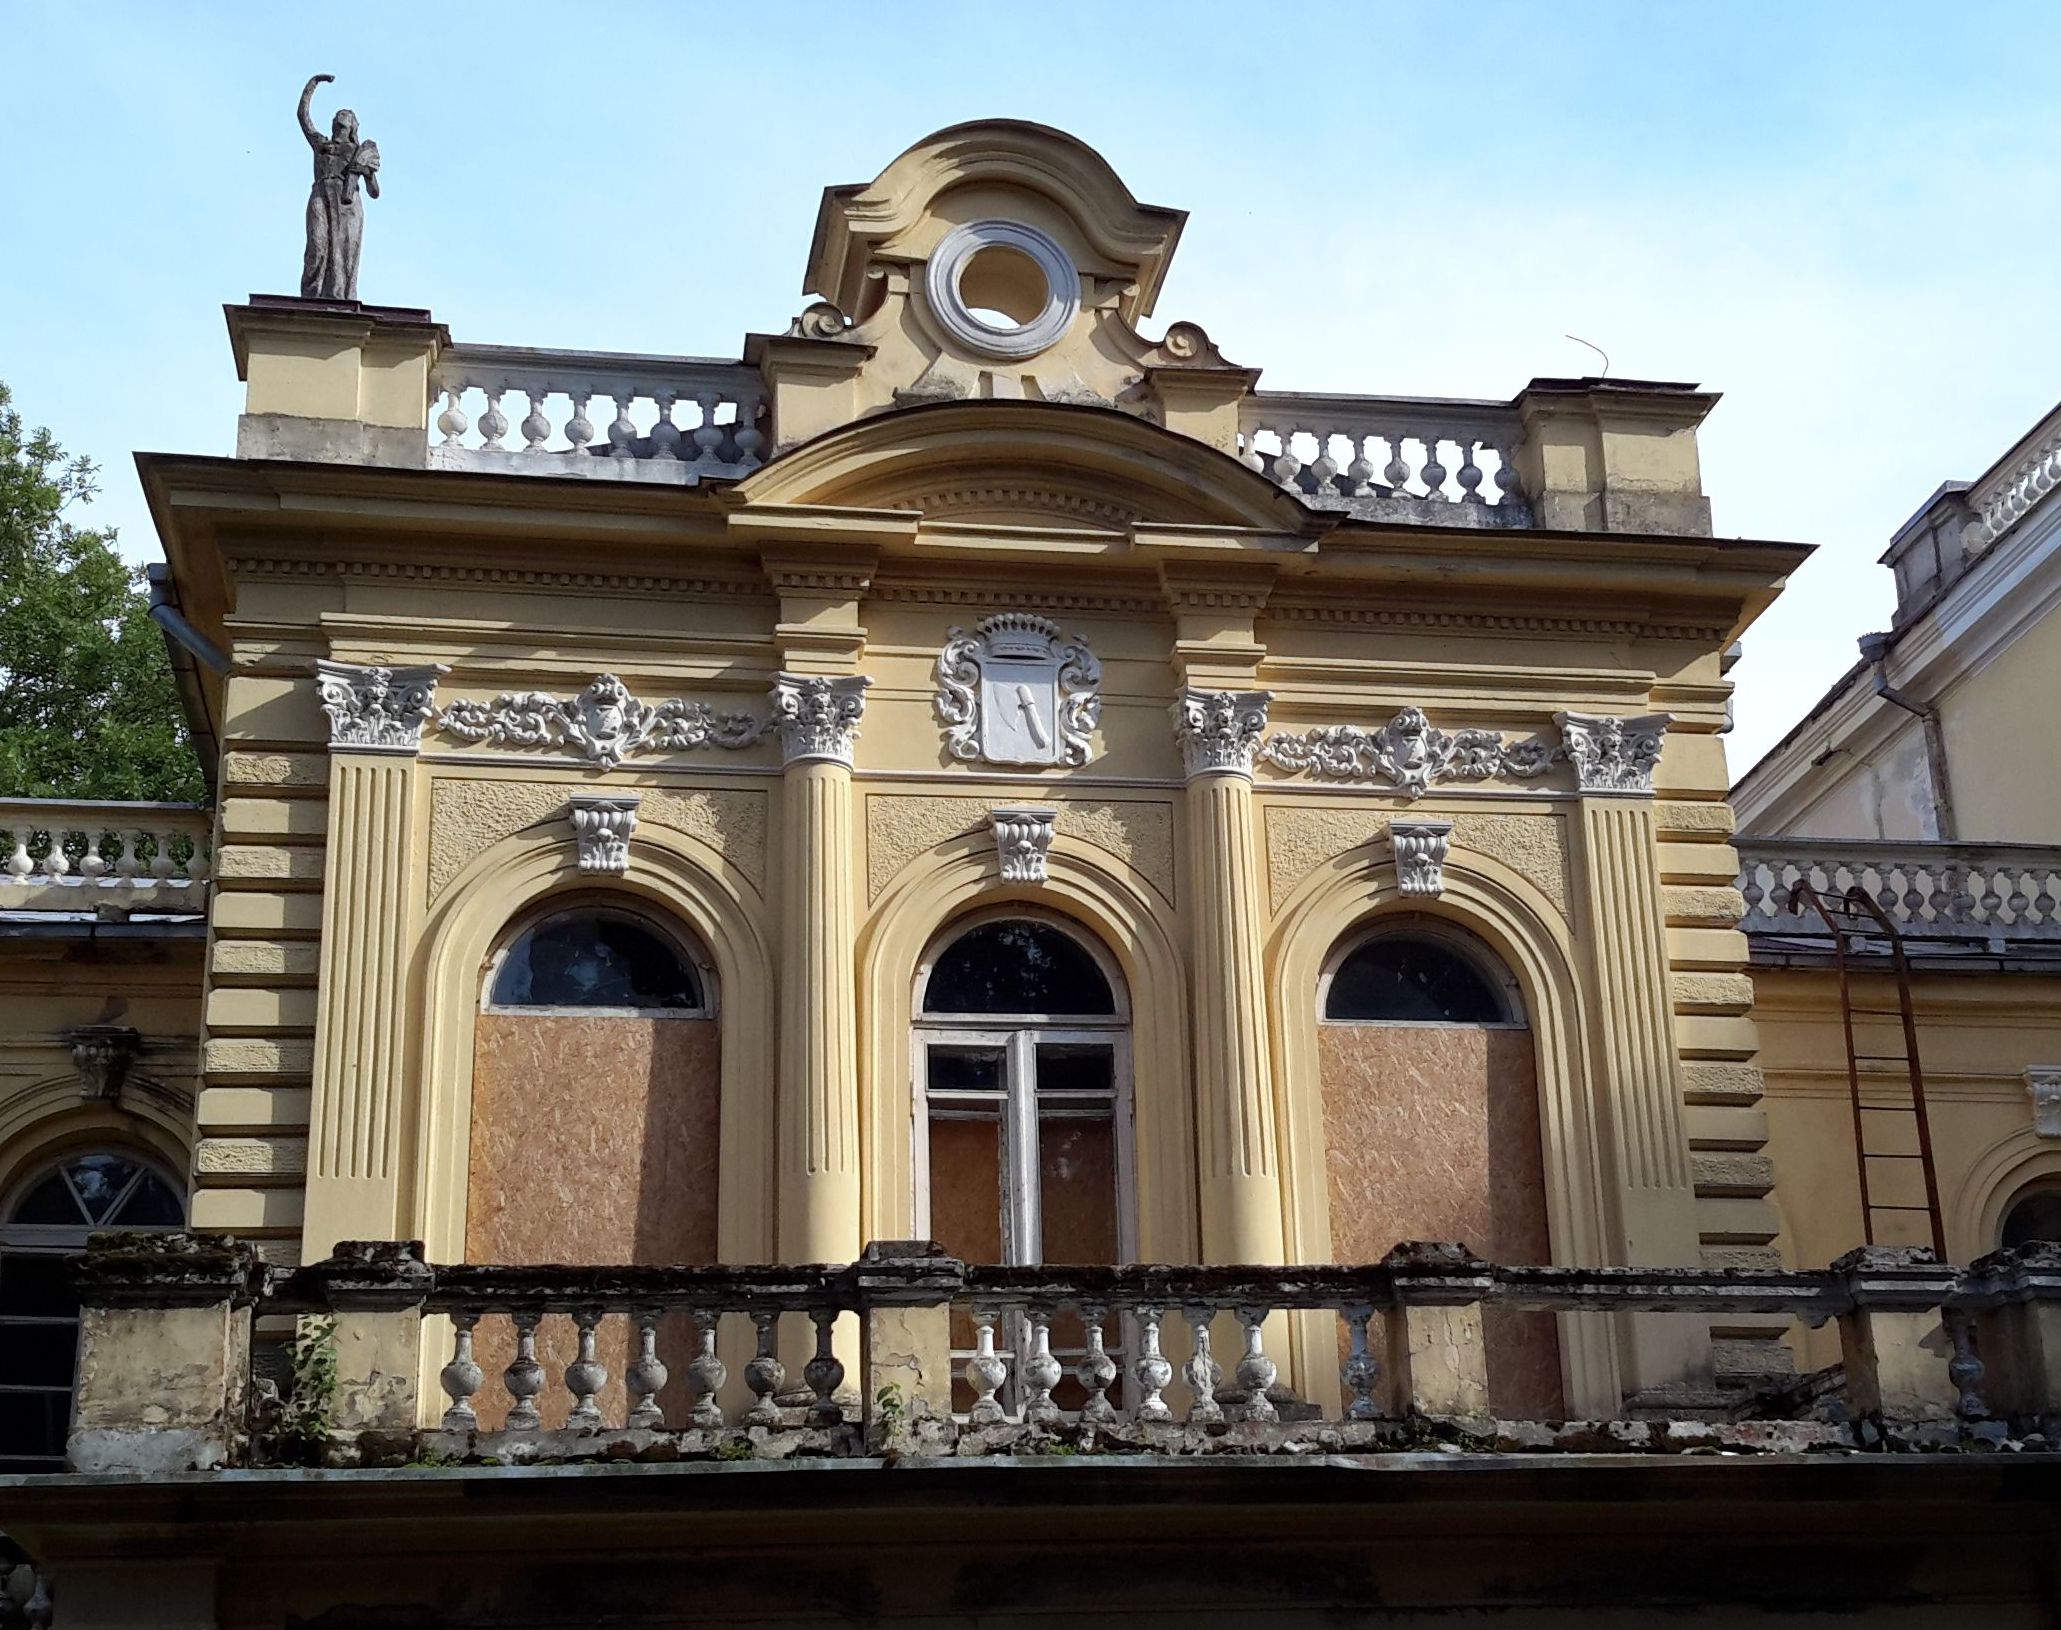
x=101, y=1056
x=1219, y=730
x=2043, y=1086
x=1408, y=751
x=1023, y=838
x=1611, y=754
x=1420, y=849
x=379, y=710
x=604, y=722
x=818, y=716
x=603, y=824
x=1018, y=690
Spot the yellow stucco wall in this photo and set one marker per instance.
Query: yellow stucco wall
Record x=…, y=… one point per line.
x=2003, y=740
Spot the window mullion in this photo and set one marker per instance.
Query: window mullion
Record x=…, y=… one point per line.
x=1020, y=1148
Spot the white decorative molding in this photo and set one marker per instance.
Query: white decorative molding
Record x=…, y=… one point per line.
x=1611, y=754
x=2043, y=1086
x=604, y=722
x=946, y=270
x=1420, y=849
x=1023, y=838
x=1219, y=730
x=817, y=716
x=101, y=1057
x=602, y=827
x=377, y=710
x=1408, y=752
x=1018, y=691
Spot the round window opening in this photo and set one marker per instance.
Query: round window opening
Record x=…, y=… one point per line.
x=1001, y=289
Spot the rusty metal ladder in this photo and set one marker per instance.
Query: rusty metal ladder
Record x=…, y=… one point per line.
x=1851, y=919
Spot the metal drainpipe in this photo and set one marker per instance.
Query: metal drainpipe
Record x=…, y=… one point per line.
x=188, y=645
x=1875, y=650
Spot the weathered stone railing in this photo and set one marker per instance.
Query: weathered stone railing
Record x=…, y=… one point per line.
x=2015, y=484
x=63, y=855
x=1979, y=892
x=962, y=1360
x=1425, y=459
x=596, y=413
x=25, y=1590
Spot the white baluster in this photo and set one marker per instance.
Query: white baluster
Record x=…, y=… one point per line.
x=1256, y=1371
x=579, y=429
x=536, y=428
x=162, y=865
x=128, y=857
x=1324, y=468
x=524, y=1377
x=708, y=435
x=1359, y=474
x=665, y=435
x=1153, y=1371
x=586, y=1375
x=622, y=434
x=1250, y=455
x=1287, y=468
x=1359, y=1371
x=56, y=863
x=1397, y=471
x=1201, y=1371
x=452, y=421
x=461, y=1377
x=1433, y=473
x=986, y=1369
x=645, y=1375
x=764, y=1374
x=493, y=424
x=706, y=1374
x=750, y=440
x=1096, y=1371
x=1470, y=473
x=1041, y=1373
x=92, y=863
x=20, y=865
x=824, y=1372
x=1506, y=474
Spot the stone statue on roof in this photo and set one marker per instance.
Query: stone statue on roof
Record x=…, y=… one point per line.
x=336, y=214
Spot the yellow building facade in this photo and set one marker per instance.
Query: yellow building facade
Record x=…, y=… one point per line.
x=965, y=771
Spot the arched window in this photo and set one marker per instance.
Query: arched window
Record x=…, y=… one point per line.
x=45, y=1224
x=1023, y=1078
x=1420, y=973
x=2033, y=1215
x=596, y=959
x=1432, y=1124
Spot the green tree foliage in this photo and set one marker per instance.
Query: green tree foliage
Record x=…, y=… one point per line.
x=87, y=704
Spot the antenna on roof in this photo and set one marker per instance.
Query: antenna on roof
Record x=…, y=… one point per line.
x=1605, y=355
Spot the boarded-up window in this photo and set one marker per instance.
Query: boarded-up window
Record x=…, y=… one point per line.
x=595, y=1125
x=1431, y=1129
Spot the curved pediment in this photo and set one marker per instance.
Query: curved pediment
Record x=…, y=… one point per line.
x=1028, y=463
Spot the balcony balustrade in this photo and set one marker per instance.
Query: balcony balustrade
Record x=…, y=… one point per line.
x=1428, y=460
x=1974, y=896
x=77, y=856
x=2016, y=484
x=953, y=1359
x=599, y=414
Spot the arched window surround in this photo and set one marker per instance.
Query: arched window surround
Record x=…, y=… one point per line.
x=2046, y=1189
x=628, y=909
x=1016, y=1036
x=1447, y=936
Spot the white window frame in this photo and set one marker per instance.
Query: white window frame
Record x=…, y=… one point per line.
x=1017, y=1036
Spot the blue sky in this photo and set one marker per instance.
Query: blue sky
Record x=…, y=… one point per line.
x=1840, y=216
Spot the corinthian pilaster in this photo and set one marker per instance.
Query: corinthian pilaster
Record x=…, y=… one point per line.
x=1240, y=1147
x=818, y=720
x=371, y=908
x=1632, y=1030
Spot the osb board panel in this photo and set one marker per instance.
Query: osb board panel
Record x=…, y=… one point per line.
x=469, y=815
x=594, y=1141
x=1431, y=1132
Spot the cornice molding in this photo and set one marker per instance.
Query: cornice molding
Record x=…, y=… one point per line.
x=514, y=577
x=1494, y=622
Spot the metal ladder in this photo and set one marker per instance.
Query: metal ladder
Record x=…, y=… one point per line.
x=1852, y=919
